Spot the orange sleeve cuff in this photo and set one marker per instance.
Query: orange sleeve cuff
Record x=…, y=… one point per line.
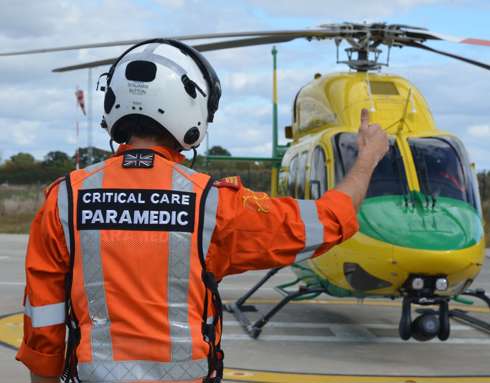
x=47, y=365
x=342, y=207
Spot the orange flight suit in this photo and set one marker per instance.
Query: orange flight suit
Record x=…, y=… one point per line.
x=250, y=231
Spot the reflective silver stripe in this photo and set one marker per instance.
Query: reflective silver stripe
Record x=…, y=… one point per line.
x=46, y=315
x=94, y=283
x=179, y=254
x=63, y=211
x=109, y=371
x=185, y=170
x=94, y=167
x=210, y=209
x=313, y=229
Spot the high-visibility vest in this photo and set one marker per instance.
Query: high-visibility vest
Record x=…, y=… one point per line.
x=141, y=305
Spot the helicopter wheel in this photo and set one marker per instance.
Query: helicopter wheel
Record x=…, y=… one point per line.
x=444, y=327
x=405, y=326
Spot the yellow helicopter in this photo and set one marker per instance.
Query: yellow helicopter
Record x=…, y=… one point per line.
x=421, y=226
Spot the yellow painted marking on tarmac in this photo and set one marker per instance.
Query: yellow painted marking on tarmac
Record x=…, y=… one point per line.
x=251, y=376
x=11, y=330
x=11, y=334
x=350, y=302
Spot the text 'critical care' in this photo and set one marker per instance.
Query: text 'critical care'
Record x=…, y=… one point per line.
x=127, y=209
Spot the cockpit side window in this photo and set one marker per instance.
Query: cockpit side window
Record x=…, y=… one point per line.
x=443, y=169
x=389, y=177
x=293, y=170
x=318, y=175
x=301, y=181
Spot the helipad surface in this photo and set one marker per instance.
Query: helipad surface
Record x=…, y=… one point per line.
x=325, y=340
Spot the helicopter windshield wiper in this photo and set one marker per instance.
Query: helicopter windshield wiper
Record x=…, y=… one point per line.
x=425, y=178
x=398, y=165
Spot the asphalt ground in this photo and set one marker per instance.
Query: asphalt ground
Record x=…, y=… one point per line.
x=318, y=341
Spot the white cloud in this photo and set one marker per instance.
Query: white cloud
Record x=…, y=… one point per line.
x=31, y=19
x=174, y=4
x=41, y=106
x=359, y=10
x=18, y=132
x=479, y=131
x=264, y=149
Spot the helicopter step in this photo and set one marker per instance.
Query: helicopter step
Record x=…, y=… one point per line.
x=238, y=308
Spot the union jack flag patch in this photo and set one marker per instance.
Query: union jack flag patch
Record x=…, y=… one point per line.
x=138, y=159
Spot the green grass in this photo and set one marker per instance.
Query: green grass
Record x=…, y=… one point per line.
x=18, y=205
x=16, y=224
x=486, y=215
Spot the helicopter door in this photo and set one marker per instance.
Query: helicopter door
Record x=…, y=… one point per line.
x=318, y=174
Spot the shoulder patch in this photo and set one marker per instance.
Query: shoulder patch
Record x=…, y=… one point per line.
x=258, y=201
x=138, y=158
x=229, y=182
x=48, y=189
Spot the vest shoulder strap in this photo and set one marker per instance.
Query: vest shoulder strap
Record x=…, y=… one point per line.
x=70, y=373
x=51, y=186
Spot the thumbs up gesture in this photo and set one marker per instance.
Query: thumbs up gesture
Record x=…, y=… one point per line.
x=372, y=141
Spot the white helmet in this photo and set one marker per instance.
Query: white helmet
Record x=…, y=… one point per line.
x=167, y=81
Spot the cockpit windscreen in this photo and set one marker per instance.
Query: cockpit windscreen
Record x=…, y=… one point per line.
x=389, y=177
x=443, y=169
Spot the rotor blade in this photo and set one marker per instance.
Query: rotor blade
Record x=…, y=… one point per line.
x=452, y=55
x=308, y=32
x=91, y=64
x=227, y=44
x=428, y=35
x=200, y=47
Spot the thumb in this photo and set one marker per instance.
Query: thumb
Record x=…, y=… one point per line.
x=364, y=118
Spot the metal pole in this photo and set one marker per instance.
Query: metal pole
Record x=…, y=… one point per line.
x=275, y=167
x=77, y=153
x=89, y=117
x=77, y=127
x=274, y=102
x=207, y=148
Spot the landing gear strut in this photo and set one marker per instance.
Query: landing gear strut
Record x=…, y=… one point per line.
x=239, y=308
x=431, y=323
x=428, y=324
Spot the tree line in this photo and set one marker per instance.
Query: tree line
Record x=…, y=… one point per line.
x=24, y=169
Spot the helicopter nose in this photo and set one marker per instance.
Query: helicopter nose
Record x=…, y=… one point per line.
x=447, y=225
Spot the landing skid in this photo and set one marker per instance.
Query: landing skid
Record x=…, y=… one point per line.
x=429, y=324
x=462, y=316
x=238, y=308
x=478, y=293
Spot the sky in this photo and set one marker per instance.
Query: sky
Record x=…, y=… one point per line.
x=38, y=111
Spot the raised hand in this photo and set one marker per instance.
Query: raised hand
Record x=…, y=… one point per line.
x=372, y=140
x=373, y=144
